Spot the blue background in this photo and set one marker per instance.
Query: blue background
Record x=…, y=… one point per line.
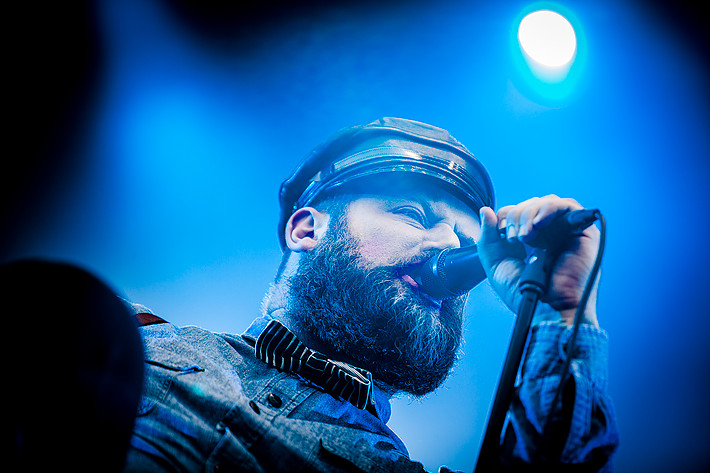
x=155, y=136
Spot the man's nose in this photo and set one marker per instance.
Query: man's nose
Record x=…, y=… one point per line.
x=442, y=236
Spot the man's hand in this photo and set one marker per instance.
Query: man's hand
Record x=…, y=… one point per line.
x=504, y=259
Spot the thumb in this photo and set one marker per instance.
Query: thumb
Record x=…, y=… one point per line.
x=489, y=226
x=502, y=260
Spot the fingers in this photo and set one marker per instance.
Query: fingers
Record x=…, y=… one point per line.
x=504, y=258
x=520, y=220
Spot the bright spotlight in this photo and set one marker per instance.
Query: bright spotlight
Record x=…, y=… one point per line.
x=549, y=44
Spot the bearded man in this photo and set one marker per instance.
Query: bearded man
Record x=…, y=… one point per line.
x=346, y=323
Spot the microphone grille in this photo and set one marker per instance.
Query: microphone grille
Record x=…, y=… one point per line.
x=440, y=268
x=434, y=277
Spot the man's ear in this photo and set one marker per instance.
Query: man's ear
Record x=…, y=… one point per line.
x=305, y=228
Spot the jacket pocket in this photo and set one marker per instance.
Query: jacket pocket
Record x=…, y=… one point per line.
x=158, y=380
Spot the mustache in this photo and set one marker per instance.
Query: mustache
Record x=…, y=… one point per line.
x=401, y=266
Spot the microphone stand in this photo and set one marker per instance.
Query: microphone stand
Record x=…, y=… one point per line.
x=533, y=284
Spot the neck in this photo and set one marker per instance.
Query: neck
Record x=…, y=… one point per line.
x=276, y=303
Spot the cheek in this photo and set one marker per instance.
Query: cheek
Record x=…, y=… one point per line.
x=372, y=252
x=385, y=246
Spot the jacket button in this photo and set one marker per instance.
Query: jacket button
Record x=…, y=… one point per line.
x=274, y=400
x=254, y=407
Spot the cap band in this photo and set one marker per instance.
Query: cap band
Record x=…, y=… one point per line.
x=384, y=159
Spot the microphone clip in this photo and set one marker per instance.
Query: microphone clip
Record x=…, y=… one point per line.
x=538, y=267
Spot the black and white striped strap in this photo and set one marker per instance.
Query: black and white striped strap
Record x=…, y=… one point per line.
x=279, y=347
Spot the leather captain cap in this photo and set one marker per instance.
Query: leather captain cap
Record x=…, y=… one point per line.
x=386, y=146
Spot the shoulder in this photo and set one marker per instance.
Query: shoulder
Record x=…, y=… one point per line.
x=135, y=308
x=196, y=345
x=167, y=343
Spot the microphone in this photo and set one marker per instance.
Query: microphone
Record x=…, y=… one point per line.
x=455, y=271
x=452, y=272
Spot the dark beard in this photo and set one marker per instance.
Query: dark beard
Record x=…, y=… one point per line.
x=371, y=319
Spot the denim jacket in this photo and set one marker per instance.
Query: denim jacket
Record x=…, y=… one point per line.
x=210, y=405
